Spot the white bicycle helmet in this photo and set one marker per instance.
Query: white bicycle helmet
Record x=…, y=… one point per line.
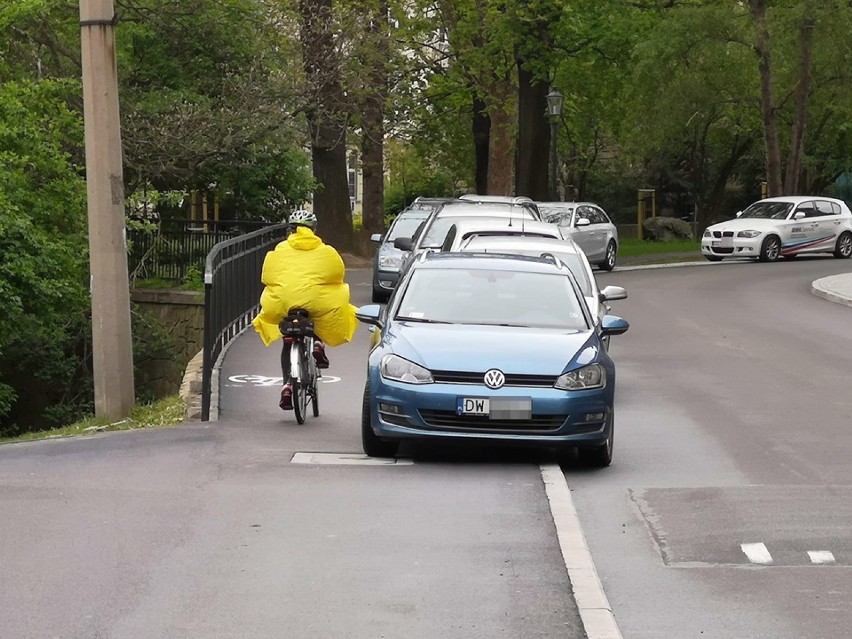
x=303, y=218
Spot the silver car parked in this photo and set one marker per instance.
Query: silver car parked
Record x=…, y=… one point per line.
x=589, y=226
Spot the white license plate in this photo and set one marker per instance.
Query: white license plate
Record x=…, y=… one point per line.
x=716, y=243
x=495, y=407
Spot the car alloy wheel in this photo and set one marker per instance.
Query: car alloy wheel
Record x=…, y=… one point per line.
x=771, y=249
x=609, y=263
x=843, y=249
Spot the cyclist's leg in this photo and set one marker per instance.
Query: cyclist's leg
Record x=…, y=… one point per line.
x=319, y=353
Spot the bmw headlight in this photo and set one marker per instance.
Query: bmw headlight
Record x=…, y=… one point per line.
x=749, y=234
x=390, y=261
x=585, y=378
x=401, y=370
x=707, y=233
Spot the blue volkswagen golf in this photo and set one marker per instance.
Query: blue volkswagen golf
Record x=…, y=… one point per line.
x=496, y=348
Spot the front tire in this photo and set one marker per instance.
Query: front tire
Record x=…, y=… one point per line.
x=300, y=390
x=372, y=444
x=843, y=248
x=601, y=456
x=380, y=297
x=770, y=250
x=611, y=254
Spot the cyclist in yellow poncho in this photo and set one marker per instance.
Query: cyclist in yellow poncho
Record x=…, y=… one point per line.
x=306, y=273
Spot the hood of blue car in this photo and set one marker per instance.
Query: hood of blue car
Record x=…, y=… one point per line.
x=530, y=351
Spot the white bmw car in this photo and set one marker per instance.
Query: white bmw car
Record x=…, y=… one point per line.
x=782, y=227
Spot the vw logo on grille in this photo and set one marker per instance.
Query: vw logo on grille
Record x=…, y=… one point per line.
x=494, y=379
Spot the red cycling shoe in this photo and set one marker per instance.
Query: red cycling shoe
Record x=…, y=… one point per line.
x=286, y=402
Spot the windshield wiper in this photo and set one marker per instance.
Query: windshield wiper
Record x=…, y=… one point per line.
x=422, y=320
x=493, y=324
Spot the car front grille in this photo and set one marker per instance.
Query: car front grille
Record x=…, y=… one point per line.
x=718, y=234
x=463, y=377
x=449, y=419
x=719, y=249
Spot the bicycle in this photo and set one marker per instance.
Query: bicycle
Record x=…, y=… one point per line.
x=297, y=329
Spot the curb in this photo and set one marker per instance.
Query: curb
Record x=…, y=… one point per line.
x=822, y=288
x=190, y=388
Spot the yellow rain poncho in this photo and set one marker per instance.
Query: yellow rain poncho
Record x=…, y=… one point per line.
x=303, y=271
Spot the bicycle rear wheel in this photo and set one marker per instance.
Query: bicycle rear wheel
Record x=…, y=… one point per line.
x=314, y=388
x=300, y=395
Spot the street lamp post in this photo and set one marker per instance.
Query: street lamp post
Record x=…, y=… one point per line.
x=554, y=110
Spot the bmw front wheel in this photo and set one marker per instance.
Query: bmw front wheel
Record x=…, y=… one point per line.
x=770, y=250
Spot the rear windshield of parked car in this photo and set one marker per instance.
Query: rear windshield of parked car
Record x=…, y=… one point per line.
x=492, y=298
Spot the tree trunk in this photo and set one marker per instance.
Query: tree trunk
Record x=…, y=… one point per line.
x=800, y=121
x=501, y=150
x=373, y=124
x=531, y=171
x=327, y=117
x=767, y=99
x=481, y=141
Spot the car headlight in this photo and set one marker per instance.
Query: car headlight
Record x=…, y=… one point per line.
x=591, y=376
x=707, y=233
x=392, y=261
x=401, y=370
x=749, y=234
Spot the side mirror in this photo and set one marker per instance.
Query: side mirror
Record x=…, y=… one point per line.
x=583, y=221
x=370, y=314
x=612, y=325
x=798, y=215
x=611, y=293
x=738, y=213
x=376, y=237
x=403, y=243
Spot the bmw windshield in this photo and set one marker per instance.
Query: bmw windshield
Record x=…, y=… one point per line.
x=768, y=210
x=492, y=298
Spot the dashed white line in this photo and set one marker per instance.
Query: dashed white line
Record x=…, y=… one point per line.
x=821, y=556
x=595, y=611
x=757, y=553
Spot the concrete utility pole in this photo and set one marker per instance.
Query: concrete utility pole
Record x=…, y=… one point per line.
x=112, y=346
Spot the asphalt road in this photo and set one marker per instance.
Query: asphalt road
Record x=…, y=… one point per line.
x=733, y=425
x=732, y=431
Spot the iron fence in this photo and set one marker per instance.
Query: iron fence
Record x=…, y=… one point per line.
x=171, y=248
x=232, y=291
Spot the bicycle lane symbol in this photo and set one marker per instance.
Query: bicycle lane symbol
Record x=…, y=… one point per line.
x=262, y=380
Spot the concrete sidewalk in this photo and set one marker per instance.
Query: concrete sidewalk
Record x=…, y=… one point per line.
x=836, y=288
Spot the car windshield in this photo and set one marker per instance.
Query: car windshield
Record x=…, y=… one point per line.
x=492, y=298
x=405, y=227
x=768, y=210
x=556, y=213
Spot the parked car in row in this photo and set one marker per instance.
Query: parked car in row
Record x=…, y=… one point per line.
x=388, y=259
x=589, y=226
x=490, y=348
x=566, y=252
x=782, y=227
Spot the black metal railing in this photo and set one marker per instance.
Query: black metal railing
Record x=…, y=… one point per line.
x=170, y=248
x=232, y=291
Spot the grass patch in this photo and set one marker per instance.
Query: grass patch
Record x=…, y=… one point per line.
x=632, y=246
x=165, y=412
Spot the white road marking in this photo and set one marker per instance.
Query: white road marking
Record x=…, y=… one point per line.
x=821, y=556
x=263, y=380
x=595, y=611
x=347, y=459
x=757, y=553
